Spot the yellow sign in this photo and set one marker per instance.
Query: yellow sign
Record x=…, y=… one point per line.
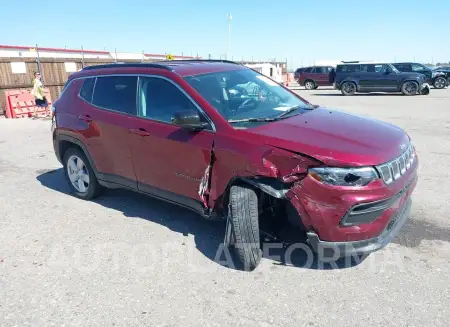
x=169, y=57
x=32, y=50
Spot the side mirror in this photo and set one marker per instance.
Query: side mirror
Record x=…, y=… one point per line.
x=387, y=71
x=189, y=119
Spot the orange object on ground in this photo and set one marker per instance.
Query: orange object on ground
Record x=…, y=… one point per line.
x=20, y=104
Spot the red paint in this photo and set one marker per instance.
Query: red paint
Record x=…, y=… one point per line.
x=175, y=160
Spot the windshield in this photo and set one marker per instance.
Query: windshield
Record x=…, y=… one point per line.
x=245, y=94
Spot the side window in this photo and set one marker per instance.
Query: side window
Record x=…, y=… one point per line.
x=403, y=67
x=364, y=68
x=87, y=89
x=116, y=93
x=318, y=70
x=308, y=70
x=418, y=68
x=379, y=68
x=350, y=68
x=160, y=100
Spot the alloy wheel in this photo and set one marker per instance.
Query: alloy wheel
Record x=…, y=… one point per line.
x=309, y=85
x=349, y=88
x=78, y=174
x=411, y=88
x=439, y=83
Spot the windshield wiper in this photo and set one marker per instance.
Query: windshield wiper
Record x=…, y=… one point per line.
x=287, y=112
x=251, y=120
x=267, y=119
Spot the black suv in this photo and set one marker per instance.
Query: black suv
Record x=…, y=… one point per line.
x=436, y=78
x=366, y=77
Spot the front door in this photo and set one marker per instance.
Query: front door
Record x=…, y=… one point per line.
x=384, y=78
x=169, y=161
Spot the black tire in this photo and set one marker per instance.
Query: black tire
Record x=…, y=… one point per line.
x=309, y=84
x=410, y=88
x=245, y=226
x=93, y=188
x=348, y=88
x=439, y=82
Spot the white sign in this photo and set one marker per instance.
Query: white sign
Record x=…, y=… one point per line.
x=18, y=68
x=70, y=67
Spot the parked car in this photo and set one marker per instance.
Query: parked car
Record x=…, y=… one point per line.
x=366, y=77
x=229, y=143
x=436, y=78
x=313, y=77
x=444, y=70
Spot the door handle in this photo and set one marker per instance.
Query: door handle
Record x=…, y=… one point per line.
x=85, y=118
x=140, y=132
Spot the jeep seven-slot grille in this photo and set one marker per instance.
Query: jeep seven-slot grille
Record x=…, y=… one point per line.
x=394, y=169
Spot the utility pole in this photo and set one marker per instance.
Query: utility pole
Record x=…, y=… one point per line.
x=229, y=17
x=82, y=57
x=38, y=60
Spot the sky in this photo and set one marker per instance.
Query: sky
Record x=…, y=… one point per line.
x=300, y=32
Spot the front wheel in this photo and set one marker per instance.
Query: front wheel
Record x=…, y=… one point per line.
x=439, y=83
x=410, y=88
x=243, y=213
x=348, y=88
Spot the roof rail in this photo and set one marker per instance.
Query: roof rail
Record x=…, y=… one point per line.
x=129, y=64
x=200, y=60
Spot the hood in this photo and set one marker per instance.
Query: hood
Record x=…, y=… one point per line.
x=336, y=138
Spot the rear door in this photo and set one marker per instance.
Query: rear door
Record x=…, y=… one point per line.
x=109, y=104
x=169, y=161
x=320, y=75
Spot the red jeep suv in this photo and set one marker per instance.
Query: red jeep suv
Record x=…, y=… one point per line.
x=229, y=143
x=313, y=77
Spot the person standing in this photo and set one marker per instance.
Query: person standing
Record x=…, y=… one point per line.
x=38, y=93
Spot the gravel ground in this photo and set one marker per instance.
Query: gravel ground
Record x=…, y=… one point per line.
x=128, y=260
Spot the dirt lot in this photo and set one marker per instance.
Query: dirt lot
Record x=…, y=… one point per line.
x=127, y=260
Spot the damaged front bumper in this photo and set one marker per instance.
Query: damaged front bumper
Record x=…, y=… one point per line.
x=337, y=250
x=342, y=222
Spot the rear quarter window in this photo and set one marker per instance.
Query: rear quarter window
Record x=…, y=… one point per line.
x=117, y=93
x=87, y=89
x=348, y=68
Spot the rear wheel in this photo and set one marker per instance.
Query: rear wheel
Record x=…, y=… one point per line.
x=410, y=88
x=245, y=226
x=439, y=83
x=348, y=88
x=310, y=85
x=80, y=175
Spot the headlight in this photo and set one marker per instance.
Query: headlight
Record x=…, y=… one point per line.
x=344, y=176
x=433, y=74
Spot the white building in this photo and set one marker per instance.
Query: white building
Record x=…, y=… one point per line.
x=10, y=51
